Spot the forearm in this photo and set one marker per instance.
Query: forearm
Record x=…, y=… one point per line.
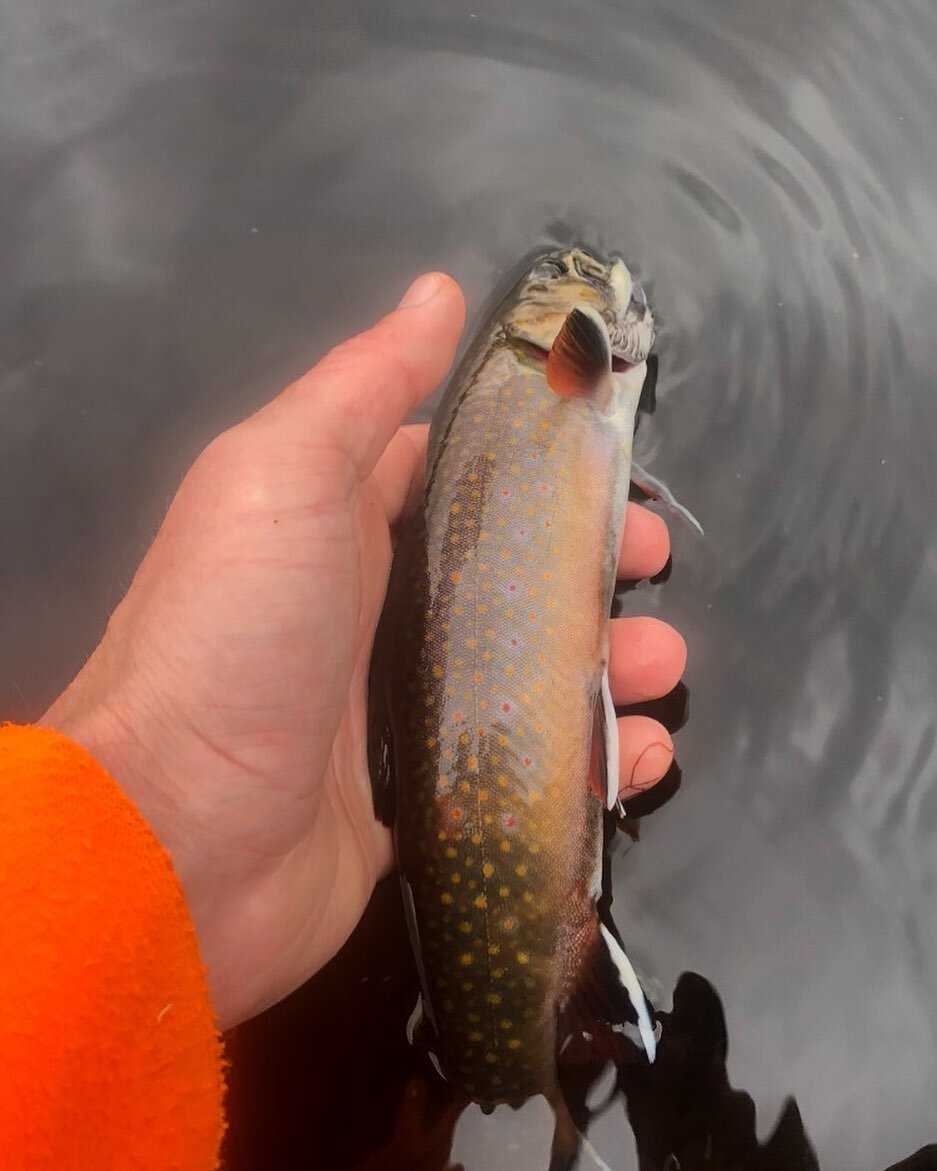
x=107, y=1035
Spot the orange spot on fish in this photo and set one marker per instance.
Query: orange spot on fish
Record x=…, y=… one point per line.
x=488, y=869
x=455, y=577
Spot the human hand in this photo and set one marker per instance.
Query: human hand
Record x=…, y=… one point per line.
x=228, y=695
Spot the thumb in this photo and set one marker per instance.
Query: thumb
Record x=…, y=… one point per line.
x=360, y=393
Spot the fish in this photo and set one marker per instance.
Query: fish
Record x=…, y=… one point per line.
x=492, y=735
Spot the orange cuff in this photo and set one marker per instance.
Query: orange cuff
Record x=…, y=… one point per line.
x=109, y=1053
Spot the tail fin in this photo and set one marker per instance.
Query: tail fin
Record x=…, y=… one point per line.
x=568, y=1140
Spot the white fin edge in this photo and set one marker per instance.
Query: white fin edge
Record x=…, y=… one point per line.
x=632, y=985
x=611, y=744
x=415, y=1020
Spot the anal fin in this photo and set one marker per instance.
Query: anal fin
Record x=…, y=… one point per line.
x=608, y=993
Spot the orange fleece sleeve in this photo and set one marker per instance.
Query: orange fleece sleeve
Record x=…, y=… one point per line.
x=109, y=1053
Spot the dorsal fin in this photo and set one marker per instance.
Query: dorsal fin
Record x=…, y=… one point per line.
x=581, y=357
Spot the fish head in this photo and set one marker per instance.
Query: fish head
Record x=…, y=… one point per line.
x=573, y=278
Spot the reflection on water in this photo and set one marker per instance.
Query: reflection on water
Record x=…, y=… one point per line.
x=681, y=1114
x=199, y=198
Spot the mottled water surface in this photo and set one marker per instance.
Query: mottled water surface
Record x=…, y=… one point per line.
x=197, y=198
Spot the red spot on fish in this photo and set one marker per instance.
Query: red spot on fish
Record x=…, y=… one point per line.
x=457, y=815
x=512, y=587
x=510, y=821
x=505, y=492
x=506, y=708
x=513, y=642
x=528, y=761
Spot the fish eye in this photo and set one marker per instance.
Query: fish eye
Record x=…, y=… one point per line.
x=553, y=268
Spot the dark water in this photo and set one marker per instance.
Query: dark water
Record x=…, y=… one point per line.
x=197, y=198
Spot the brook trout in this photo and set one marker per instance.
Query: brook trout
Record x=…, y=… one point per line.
x=492, y=739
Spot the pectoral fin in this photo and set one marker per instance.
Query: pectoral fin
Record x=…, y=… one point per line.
x=580, y=361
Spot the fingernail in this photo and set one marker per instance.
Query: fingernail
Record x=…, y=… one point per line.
x=422, y=290
x=651, y=766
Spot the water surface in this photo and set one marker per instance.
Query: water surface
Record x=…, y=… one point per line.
x=198, y=198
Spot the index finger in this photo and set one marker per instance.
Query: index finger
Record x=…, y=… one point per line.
x=645, y=545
